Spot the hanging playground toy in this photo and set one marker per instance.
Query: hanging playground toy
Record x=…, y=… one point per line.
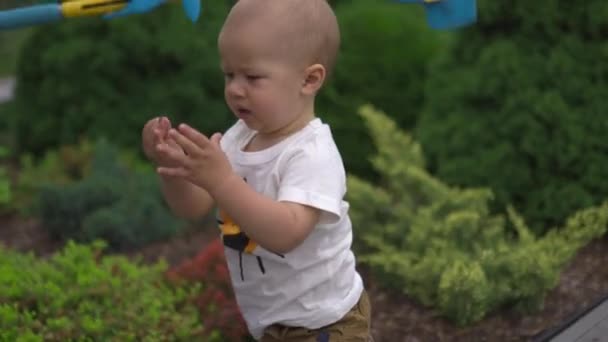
x=441, y=14
x=448, y=14
x=52, y=11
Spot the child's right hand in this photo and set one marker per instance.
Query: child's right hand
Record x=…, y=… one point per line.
x=154, y=133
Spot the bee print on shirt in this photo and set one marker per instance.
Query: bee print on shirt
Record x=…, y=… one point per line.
x=234, y=238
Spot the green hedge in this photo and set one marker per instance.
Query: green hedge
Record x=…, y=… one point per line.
x=94, y=78
x=10, y=42
x=385, y=50
x=61, y=166
x=80, y=295
x=91, y=78
x=518, y=104
x=113, y=202
x=442, y=245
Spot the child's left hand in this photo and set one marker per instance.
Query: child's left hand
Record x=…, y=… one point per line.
x=204, y=163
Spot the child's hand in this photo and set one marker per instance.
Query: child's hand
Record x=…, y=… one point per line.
x=155, y=134
x=203, y=163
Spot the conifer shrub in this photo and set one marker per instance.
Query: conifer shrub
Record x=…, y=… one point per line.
x=61, y=166
x=6, y=195
x=216, y=302
x=105, y=78
x=384, y=52
x=79, y=294
x=443, y=246
x=518, y=103
x=112, y=202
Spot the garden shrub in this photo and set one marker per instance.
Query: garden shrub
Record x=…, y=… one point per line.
x=384, y=53
x=95, y=77
x=128, y=71
x=66, y=164
x=5, y=180
x=443, y=246
x=113, y=203
x=79, y=294
x=63, y=165
x=216, y=302
x=10, y=41
x=518, y=105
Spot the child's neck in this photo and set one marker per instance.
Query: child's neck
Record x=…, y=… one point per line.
x=265, y=140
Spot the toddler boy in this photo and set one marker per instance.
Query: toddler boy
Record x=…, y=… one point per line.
x=275, y=176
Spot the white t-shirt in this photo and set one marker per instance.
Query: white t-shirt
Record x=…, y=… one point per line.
x=315, y=284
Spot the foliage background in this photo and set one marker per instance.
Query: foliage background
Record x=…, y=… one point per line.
x=518, y=104
x=513, y=104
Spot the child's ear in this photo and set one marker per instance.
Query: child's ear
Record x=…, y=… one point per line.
x=314, y=76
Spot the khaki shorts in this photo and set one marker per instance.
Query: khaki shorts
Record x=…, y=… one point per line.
x=353, y=327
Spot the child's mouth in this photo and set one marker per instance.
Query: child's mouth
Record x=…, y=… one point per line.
x=243, y=112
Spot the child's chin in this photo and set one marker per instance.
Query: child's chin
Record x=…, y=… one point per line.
x=249, y=123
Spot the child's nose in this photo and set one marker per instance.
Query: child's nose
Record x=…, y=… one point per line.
x=234, y=88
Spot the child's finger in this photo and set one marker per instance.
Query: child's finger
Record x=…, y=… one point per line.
x=197, y=137
x=148, y=143
x=189, y=147
x=165, y=125
x=158, y=136
x=175, y=155
x=173, y=145
x=173, y=171
x=215, y=139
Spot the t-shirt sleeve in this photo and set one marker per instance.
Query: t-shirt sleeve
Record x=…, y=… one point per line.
x=314, y=175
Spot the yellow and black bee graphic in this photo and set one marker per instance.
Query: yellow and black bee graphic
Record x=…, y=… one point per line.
x=236, y=239
x=233, y=236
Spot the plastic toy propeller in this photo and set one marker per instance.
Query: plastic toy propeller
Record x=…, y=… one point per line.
x=48, y=12
x=448, y=14
x=441, y=14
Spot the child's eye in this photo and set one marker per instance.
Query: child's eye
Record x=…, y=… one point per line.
x=253, y=77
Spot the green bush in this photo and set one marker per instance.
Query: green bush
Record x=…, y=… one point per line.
x=60, y=166
x=518, y=105
x=5, y=180
x=384, y=53
x=93, y=78
x=10, y=42
x=442, y=245
x=81, y=295
x=113, y=203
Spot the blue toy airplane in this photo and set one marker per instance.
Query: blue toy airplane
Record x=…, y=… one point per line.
x=441, y=14
x=448, y=14
x=63, y=9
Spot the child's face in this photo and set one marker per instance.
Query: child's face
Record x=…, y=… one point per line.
x=262, y=87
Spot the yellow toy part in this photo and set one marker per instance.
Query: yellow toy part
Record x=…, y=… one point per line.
x=82, y=8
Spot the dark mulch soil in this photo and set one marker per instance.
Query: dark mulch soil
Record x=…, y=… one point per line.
x=396, y=318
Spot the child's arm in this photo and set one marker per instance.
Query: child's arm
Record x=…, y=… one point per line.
x=185, y=199
x=277, y=226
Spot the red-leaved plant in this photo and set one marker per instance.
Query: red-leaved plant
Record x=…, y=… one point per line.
x=216, y=302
